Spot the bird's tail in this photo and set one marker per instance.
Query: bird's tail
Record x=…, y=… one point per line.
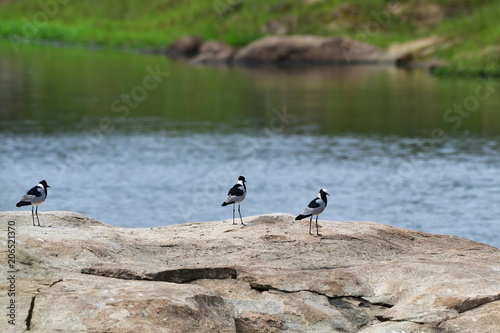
x=224, y=204
x=23, y=203
x=300, y=217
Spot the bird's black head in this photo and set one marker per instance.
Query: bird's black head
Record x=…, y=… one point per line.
x=324, y=191
x=242, y=178
x=44, y=183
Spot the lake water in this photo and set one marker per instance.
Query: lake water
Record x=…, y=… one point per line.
x=140, y=141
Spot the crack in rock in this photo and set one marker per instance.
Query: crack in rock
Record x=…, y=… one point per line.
x=341, y=303
x=116, y=273
x=472, y=303
x=266, y=287
x=30, y=313
x=55, y=282
x=354, y=312
x=183, y=275
x=32, y=305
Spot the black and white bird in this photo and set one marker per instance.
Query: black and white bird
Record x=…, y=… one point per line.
x=315, y=207
x=34, y=197
x=236, y=195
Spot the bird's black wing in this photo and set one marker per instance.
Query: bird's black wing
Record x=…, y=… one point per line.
x=36, y=191
x=314, y=203
x=236, y=190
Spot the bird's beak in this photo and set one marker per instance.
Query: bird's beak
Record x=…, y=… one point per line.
x=328, y=194
x=48, y=186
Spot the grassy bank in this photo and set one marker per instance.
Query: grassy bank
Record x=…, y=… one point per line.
x=470, y=29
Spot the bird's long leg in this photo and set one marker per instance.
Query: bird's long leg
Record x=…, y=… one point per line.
x=36, y=211
x=240, y=215
x=310, y=225
x=233, y=213
x=33, y=214
x=317, y=232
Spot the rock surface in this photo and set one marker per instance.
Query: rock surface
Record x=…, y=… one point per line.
x=76, y=274
x=308, y=49
x=404, y=54
x=214, y=52
x=280, y=50
x=184, y=47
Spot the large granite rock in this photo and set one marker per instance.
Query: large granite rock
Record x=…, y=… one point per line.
x=307, y=50
x=76, y=274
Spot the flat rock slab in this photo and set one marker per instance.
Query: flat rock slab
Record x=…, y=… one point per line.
x=309, y=50
x=76, y=274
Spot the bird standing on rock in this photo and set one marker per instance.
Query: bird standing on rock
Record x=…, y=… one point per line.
x=34, y=197
x=236, y=195
x=315, y=207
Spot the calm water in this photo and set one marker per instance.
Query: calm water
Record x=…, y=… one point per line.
x=140, y=141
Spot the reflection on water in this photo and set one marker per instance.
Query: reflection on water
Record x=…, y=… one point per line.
x=121, y=140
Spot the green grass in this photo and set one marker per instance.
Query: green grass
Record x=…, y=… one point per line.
x=469, y=26
x=477, y=50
